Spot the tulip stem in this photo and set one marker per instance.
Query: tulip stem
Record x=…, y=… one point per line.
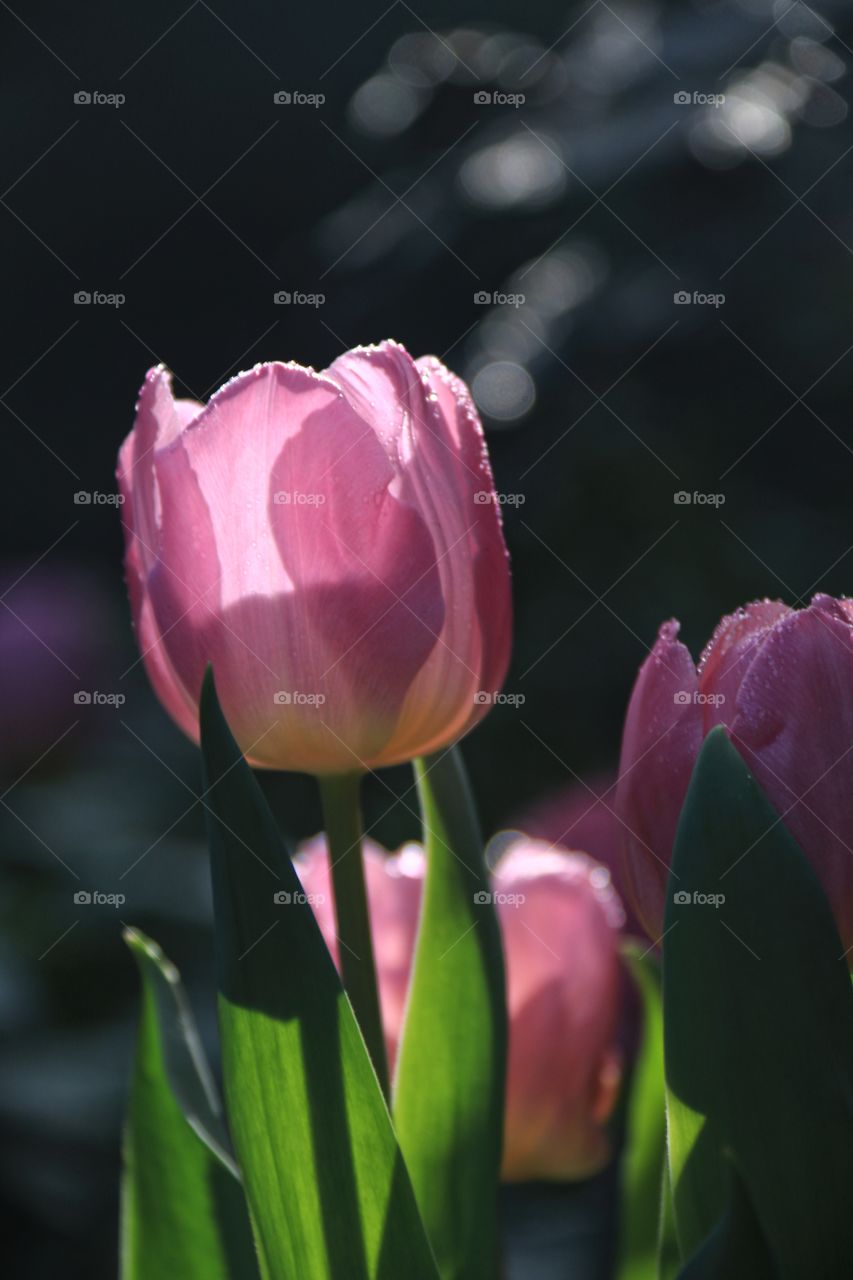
x=340, y=795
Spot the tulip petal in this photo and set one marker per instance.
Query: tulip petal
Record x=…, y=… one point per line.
x=279, y=595
x=430, y=430
x=662, y=735
x=563, y=987
x=727, y=656
x=794, y=711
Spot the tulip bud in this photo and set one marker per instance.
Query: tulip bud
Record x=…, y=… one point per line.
x=321, y=539
x=781, y=681
x=559, y=917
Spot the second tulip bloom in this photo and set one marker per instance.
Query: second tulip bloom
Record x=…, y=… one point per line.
x=781, y=681
x=560, y=920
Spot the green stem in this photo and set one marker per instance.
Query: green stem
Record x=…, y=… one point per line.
x=342, y=819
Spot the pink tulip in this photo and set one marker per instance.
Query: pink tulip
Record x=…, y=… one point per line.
x=781, y=681
x=560, y=917
x=331, y=543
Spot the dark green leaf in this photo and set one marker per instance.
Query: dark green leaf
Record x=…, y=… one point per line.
x=328, y=1190
x=449, y=1090
x=758, y=1017
x=735, y=1249
x=183, y=1209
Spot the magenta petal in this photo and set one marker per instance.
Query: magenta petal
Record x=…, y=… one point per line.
x=794, y=712
x=662, y=735
x=726, y=658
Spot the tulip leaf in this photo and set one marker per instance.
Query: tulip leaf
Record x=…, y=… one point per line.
x=183, y=1209
x=644, y=1153
x=328, y=1191
x=758, y=1028
x=449, y=1089
x=735, y=1249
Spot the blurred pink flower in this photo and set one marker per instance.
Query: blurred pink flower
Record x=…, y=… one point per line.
x=560, y=917
x=781, y=681
x=332, y=544
x=581, y=816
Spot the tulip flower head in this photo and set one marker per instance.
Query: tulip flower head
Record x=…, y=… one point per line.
x=560, y=920
x=321, y=539
x=781, y=681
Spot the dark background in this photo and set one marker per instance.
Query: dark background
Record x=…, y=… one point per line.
x=398, y=198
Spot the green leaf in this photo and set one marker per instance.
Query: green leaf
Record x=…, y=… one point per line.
x=644, y=1152
x=669, y=1258
x=449, y=1090
x=758, y=1027
x=328, y=1191
x=735, y=1249
x=183, y=1209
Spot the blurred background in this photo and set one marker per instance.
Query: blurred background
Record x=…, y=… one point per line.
x=629, y=226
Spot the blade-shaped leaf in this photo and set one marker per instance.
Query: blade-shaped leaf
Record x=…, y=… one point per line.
x=735, y=1249
x=449, y=1090
x=644, y=1152
x=329, y=1194
x=758, y=1018
x=183, y=1209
